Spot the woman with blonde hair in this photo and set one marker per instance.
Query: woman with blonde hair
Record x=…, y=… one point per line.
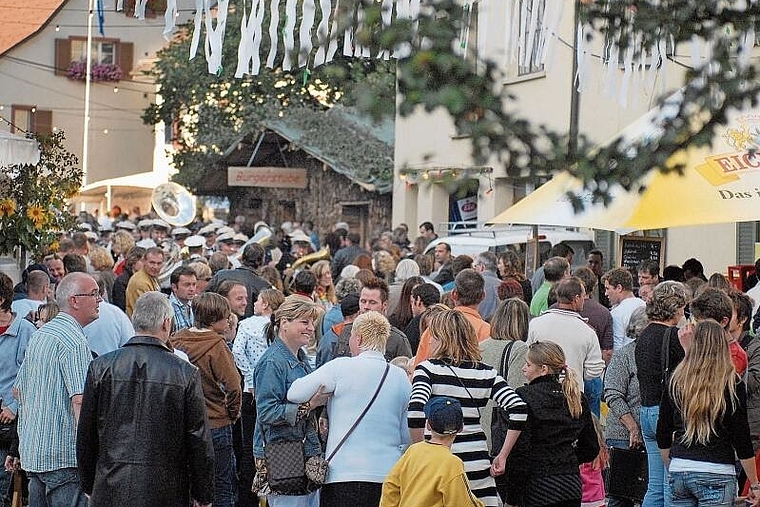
x=377, y=438
x=703, y=424
x=560, y=435
x=290, y=329
x=325, y=289
x=455, y=369
x=102, y=263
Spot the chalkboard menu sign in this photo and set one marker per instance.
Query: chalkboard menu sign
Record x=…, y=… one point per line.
x=634, y=249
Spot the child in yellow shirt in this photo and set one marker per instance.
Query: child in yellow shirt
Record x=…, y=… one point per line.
x=428, y=474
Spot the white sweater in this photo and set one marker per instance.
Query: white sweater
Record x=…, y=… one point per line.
x=382, y=436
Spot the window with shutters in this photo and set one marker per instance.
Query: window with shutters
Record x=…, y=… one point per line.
x=153, y=8
x=31, y=119
x=107, y=55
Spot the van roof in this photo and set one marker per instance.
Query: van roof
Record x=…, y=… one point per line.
x=477, y=241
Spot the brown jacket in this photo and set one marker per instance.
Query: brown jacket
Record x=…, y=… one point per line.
x=208, y=351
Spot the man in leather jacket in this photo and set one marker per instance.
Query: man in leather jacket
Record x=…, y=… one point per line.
x=143, y=437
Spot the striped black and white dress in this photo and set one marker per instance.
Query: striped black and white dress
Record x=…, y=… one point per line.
x=473, y=384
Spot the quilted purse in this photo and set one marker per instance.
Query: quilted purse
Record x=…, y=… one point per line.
x=286, y=466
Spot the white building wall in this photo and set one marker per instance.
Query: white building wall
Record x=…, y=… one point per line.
x=427, y=140
x=119, y=143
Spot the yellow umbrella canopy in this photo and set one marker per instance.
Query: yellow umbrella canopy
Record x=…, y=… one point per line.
x=719, y=184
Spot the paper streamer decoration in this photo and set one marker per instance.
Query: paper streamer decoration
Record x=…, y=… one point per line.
x=169, y=18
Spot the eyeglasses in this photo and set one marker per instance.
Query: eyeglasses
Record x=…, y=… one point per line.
x=95, y=295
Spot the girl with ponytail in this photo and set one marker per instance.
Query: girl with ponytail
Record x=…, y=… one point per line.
x=543, y=466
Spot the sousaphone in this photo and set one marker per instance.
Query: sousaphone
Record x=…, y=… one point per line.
x=174, y=204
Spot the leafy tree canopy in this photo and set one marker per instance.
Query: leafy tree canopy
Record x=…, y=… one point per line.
x=211, y=111
x=434, y=76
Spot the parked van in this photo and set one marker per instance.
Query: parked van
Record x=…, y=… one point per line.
x=474, y=240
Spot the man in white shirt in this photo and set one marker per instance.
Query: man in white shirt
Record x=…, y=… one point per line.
x=37, y=289
x=564, y=326
x=618, y=286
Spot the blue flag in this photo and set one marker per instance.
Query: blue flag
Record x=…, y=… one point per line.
x=101, y=18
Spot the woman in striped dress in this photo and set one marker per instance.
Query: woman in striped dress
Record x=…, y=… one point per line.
x=454, y=369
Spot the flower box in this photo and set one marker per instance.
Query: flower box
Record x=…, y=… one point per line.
x=98, y=71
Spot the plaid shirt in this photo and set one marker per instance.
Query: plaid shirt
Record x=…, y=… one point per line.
x=183, y=314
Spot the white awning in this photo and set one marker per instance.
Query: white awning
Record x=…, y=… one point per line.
x=17, y=150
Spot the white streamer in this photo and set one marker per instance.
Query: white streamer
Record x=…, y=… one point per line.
x=323, y=32
x=274, y=21
x=307, y=24
x=288, y=33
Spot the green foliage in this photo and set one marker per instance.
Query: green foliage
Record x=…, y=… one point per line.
x=435, y=77
x=33, y=198
x=210, y=111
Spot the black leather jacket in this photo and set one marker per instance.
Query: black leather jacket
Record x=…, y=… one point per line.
x=143, y=437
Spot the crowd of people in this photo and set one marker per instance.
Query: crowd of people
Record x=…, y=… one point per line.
x=145, y=364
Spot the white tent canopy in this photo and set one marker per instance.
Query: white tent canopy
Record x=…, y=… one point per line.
x=17, y=150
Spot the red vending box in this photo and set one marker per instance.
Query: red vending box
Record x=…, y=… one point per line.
x=738, y=275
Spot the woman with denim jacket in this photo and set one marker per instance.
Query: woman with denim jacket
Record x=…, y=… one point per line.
x=703, y=424
x=279, y=420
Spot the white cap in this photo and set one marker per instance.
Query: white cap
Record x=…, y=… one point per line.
x=181, y=231
x=195, y=241
x=125, y=224
x=299, y=235
x=225, y=230
x=146, y=243
x=145, y=223
x=240, y=237
x=160, y=223
x=91, y=235
x=226, y=236
x=207, y=229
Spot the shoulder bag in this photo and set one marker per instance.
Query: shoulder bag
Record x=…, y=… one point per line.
x=499, y=416
x=316, y=466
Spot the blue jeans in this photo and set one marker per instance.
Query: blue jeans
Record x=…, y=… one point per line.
x=658, y=490
x=593, y=390
x=310, y=500
x=702, y=488
x=225, y=477
x=57, y=488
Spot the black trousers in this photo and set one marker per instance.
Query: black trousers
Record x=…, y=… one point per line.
x=350, y=494
x=244, y=451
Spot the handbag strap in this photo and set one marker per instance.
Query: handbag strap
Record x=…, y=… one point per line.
x=505, y=360
x=361, y=416
x=462, y=384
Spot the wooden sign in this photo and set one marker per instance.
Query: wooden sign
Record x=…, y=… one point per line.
x=271, y=177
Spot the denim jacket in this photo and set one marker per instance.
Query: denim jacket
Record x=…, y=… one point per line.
x=276, y=416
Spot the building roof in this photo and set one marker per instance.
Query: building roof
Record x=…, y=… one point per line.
x=349, y=143
x=21, y=20
x=341, y=138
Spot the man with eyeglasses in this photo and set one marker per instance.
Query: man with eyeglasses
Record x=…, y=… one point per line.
x=50, y=384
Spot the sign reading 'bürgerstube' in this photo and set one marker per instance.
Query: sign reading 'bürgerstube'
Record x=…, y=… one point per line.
x=273, y=177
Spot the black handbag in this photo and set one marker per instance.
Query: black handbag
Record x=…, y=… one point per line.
x=286, y=466
x=7, y=434
x=628, y=474
x=499, y=416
